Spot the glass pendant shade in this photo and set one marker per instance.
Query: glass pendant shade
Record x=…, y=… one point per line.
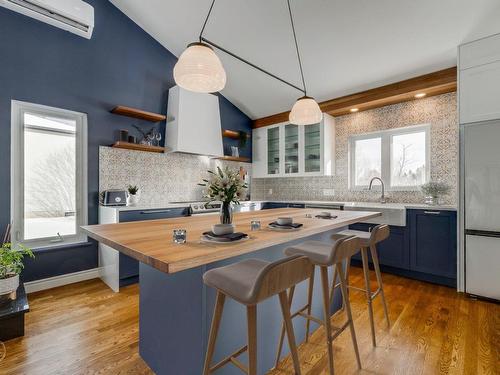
x=199, y=69
x=305, y=111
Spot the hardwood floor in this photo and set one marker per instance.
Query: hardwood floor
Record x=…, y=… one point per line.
x=85, y=328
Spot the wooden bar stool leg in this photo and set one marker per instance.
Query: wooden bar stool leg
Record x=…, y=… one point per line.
x=345, y=296
x=326, y=312
x=376, y=265
x=252, y=339
x=366, y=273
x=334, y=281
x=309, y=303
x=285, y=309
x=214, y=330
x=282, y=335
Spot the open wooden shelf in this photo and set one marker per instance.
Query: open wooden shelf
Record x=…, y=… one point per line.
x=233, y=134
x=234, y=158
x=138, y=147
x=138, y=113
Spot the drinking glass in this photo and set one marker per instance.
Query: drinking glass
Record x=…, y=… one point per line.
x=158, y=138
x=255, y=225
x=180, y=236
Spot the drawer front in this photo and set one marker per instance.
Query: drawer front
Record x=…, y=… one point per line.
x=166, y=213
x=480, y=52
x=270, y=205
x=296, y=205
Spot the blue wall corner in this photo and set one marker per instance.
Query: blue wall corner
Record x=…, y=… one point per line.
x=120, y=65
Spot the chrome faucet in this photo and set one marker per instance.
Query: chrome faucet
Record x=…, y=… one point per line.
x=382, y=197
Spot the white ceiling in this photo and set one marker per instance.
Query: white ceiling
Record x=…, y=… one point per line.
x=346, y=45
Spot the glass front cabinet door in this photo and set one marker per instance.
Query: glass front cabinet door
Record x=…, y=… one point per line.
x=287, y=150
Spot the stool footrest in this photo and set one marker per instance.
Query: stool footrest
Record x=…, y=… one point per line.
x=232, y=358
x=310, y=317
x=339, y=330
x=298, y=312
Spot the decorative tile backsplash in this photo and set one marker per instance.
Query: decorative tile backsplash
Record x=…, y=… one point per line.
x=439, y=111
x=162, y=178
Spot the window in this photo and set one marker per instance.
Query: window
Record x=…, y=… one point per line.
x=399, y=156
x=48, y=174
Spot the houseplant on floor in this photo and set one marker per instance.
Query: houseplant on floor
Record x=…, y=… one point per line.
x=225, y=186
x=11, y=265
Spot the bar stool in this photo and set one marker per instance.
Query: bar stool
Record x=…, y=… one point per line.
x=368, y=240
x=250, y=282
x=325, y=255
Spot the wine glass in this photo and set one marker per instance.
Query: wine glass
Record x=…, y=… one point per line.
x=158, y=137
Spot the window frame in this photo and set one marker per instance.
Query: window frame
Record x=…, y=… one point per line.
x=386, y=137
x=18, y=109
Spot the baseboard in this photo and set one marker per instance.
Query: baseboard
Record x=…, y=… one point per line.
x=53, y=282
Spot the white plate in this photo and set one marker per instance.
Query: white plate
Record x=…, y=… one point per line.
x=277, y=229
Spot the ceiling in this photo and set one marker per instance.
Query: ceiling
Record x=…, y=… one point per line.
x=346, y=45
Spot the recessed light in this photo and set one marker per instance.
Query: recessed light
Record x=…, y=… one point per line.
x=354, y=109
x=420, y=95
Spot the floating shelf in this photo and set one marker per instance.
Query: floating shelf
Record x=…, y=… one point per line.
x=233, y=134
x=138, y=147
x=138, y=113
x=234, y=158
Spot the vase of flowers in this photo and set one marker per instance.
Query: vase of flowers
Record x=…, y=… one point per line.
x=11, y=265
x=433, y=192
x=225, y=186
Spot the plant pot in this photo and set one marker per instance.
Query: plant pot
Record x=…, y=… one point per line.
x=132, y=200
x=432, y=200
x=9, y=285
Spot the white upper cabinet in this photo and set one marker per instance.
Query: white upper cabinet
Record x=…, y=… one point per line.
x=479, y=80
x=287, y=150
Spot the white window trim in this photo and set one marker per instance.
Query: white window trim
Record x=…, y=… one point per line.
x=386, y=146
x=18, y=108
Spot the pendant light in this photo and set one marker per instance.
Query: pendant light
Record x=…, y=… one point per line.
x=305, y=111
x=199, y=69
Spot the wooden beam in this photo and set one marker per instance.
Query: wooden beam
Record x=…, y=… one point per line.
x=436, y=83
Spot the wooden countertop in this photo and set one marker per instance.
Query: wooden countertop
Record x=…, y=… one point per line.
x=151, y=242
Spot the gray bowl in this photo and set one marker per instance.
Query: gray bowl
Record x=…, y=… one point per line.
x=221, y=229
x=284, y=220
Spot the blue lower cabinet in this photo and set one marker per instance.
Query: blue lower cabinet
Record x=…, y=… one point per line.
x=270, y=205
x=394, y=251
x=129, y=267
x=433, y=242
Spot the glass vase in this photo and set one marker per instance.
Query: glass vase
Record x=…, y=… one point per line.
x=226, y=213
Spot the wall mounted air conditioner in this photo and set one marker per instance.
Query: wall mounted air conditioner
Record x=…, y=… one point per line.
x=75, y=16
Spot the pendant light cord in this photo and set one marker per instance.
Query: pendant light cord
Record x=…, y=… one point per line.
x=297, y=48
x=206, y=19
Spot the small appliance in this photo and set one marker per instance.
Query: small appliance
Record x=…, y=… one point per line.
x=115, y=198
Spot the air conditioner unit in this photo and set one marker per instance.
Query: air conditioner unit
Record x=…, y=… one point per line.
x=75, y=16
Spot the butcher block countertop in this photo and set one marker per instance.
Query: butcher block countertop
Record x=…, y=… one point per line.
x=151, y=242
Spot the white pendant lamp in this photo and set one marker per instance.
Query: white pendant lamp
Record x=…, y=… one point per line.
x=199, y=69
x=305, y=111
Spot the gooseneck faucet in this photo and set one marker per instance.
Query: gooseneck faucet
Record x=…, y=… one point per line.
x=382, y=198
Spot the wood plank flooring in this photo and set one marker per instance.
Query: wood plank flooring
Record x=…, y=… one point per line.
x=85, y=328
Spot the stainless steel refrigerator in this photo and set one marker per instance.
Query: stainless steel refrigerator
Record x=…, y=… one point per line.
x=481, y=200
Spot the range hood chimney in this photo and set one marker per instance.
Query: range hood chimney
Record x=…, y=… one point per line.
x=193, y=123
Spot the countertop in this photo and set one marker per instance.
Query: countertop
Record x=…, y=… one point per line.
x=416, y=206
x=151, y=242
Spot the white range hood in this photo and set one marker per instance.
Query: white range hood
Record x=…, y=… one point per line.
x=193, y=123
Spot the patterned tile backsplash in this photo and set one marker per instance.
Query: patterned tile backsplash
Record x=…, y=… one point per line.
x=439, y=111
x=162, y=178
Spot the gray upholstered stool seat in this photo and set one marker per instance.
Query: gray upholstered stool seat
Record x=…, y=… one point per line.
x=237, y=280
x=318, y=252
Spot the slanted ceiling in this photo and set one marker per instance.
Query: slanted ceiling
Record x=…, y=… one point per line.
x=347, y=46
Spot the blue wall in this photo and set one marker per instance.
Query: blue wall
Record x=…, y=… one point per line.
x=121, y=64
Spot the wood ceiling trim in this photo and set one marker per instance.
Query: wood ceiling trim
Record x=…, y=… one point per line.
x=436, y=83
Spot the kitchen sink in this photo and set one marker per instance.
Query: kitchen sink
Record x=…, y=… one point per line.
x=392, y=213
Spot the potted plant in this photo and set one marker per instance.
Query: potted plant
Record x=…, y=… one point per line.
x=11, y=265
x=133, y=195
x=433, y=191
x=225, y=186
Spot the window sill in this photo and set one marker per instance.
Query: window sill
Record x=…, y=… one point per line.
x=62, y=247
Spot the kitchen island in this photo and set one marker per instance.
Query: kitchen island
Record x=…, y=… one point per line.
x=175, y=305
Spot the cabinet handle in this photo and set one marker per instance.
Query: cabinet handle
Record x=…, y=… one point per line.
x=154, y=212
x=432, y=212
